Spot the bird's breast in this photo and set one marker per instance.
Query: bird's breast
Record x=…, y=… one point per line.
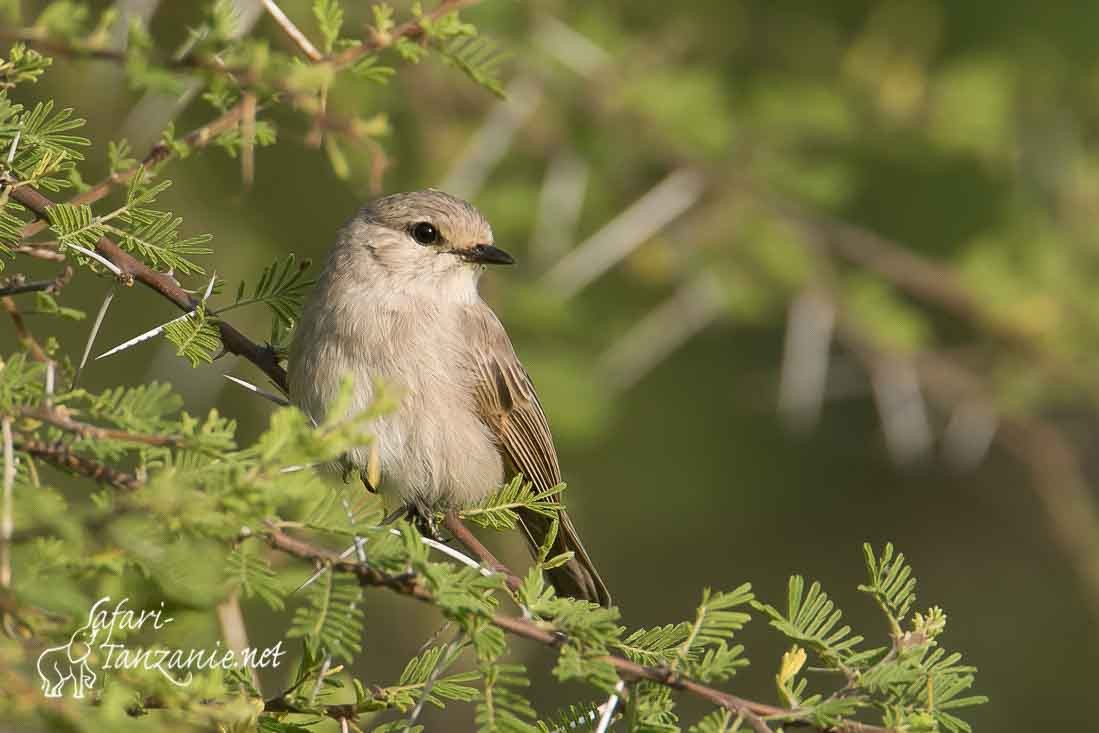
x=433, y=446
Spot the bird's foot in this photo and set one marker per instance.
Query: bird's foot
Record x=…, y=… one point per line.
x=421, y=516
x=424, y=519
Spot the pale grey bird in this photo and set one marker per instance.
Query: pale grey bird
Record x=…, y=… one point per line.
x=397, y=301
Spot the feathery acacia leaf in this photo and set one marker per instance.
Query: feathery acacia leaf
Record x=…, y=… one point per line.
x=500, y=510
x=811, y=619
x=332, y=620
x=891, y=584
x=254, y=577
x=478, y=58
x=196, y=336
x=282, y=287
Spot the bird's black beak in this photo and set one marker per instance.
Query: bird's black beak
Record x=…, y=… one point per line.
x=486, y=254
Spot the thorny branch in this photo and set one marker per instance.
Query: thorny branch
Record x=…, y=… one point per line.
x=754, y=712
x=461, y=532
x=22, y=332
x=134, y=269
x=59, y=417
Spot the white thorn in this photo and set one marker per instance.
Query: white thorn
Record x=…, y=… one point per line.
x=143, y=337
x=159, y=329
x=95, y=256
x=277, y=399
x=608, y=708
x=14, y=145
x=94, y=333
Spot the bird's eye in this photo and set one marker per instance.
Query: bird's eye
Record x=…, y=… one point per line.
x=425, y=233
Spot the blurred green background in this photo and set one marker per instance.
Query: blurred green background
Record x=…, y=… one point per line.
x=765, y=141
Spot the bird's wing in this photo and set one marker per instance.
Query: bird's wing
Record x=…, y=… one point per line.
x=507, y=401
x=509, y=406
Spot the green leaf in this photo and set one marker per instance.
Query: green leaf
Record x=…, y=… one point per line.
x=195, y=336
x=811, y=619
x=656, y=646
x=499, y=511
x=502, y=708
x=719, y=721
x=46, y=304
x=332, y=620
x=714, y=625
x=253, y=576
x=282, y=287
x=477, y=58
x=329, y=15
x=891, y=584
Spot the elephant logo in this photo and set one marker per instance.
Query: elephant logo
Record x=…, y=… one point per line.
x=60, y=665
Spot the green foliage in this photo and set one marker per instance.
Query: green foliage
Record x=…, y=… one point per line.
x=503, y=709
x=577, y=717
x=477, y=58
x=891, y=584
x=914, y=683
x=195, y=336
x=329, y=15
x=444, y=688
x=332, y=620
x=660, y=645
x=23, y=65
x=10, y=226
x=136, y=226
x=499, y=511
x=155, y=234
x=704, y=652
x=719, y=721
x=46, y=304
x=36, y=143
x=282, y=287
x=811, y=618
x=253, y=576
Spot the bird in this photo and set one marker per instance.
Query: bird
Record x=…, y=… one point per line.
x=397, y=302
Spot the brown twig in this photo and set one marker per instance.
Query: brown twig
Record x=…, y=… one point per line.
x=412, y=29
x=59, y=418
x=22, y=332
x=41, y=250
x=753, y=712
x=60, y=456
x=461, y=532
x=77, y=49
x=32, y=286
x=18, y=284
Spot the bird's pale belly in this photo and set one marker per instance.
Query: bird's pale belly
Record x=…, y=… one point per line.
x=435, y=451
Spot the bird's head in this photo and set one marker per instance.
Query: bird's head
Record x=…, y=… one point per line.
x=425, y=237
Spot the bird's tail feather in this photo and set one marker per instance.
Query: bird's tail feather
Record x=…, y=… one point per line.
x=578, y=577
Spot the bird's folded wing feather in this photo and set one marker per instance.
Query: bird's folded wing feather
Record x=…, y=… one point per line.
x=508, y=403
x=509, y=406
